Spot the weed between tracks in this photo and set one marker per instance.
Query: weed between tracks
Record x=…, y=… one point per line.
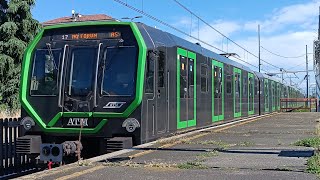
x=313, y=163
x=192, y=165
x=309, y=142
x=246, y=144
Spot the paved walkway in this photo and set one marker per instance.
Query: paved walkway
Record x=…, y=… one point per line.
x=261, y=148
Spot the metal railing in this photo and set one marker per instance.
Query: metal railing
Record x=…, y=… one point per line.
x=290, y=104
x=11, y=163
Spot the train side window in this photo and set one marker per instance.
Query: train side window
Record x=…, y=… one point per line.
x=204, y=78
x=229, y=85
x=161, y=68
x=150, y=73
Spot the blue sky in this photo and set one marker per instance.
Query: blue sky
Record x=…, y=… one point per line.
x=286, y=25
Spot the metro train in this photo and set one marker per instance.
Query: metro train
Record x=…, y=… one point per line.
x=126, y=81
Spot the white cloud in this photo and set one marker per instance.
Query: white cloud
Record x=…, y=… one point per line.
x=289, y=15
x=289, y=29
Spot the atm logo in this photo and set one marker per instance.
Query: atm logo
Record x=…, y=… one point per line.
x=78, y=122
x=114, y=105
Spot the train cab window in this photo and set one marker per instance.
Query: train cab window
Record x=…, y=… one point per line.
x=119, y=71
x=44, y=80
x=204, y=78
x=82, y=60
x=150, y=73
x=161, y=68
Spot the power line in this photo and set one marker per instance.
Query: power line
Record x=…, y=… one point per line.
x=223, y=34
x=299, y=64
x=288, y=57
x=209, y=25
x=176, y=29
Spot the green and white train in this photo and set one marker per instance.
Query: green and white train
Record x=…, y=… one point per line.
x=130, y=81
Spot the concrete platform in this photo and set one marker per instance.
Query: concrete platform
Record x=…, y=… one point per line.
x=260, y=148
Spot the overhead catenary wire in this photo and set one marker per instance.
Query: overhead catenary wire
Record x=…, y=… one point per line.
x=287, y=57
x=174, y=28
x=209, y=25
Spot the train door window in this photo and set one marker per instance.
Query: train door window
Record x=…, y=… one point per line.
x=150, y=73
x=45, y=72
x=220, y=80
x=237, y=84
x=216, y=81
x=161, y=68
x=256, y=86
x=250, y=86
x=204, y=78
x=183, y=77
x=245, y=85
x=191, y=76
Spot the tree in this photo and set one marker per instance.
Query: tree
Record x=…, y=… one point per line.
x=17, y=29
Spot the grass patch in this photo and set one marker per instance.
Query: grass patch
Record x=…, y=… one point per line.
x=208, y=154
x=313, y=164
x=309, y=142
x=246, y=144
x=192, y=165
x=220, y=144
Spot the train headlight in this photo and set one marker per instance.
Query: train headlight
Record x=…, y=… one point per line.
x=55, y=151
x=131, y=124
x=27, y=123
x=51, y=152
x=46, y=150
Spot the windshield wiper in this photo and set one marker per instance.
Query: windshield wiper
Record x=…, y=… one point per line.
x=51, y=56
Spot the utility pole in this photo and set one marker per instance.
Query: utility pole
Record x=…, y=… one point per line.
x=259, y=47
x=307, y=76
x=259, y=68
x=281, y=69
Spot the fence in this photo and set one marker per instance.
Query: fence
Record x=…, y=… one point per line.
x=289, y=104
x=12, y=164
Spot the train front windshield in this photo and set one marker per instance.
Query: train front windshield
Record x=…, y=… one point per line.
x=119, y=71
x=85, y=66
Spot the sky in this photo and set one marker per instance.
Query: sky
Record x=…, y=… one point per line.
x=286, y=26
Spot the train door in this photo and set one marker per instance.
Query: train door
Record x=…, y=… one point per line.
x=250, y=94
x=237, y=92
x=161, y=91
x=266, y=95
x=186, y=88
x=217, y=91
x=156, y=92
x=80, y=69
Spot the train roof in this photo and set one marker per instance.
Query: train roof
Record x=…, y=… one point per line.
x=154, y=37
